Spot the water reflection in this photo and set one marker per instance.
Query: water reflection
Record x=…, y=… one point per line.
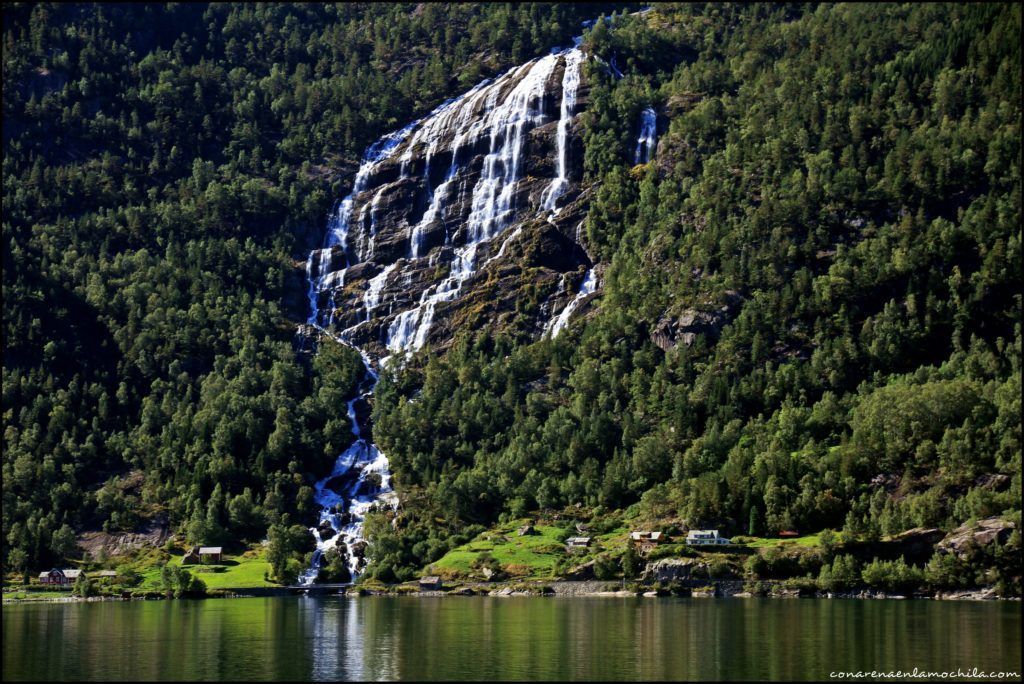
x=338, y=638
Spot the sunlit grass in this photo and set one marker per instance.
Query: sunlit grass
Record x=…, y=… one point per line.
x=236, y=572
x=768, y=542
x=531, y=556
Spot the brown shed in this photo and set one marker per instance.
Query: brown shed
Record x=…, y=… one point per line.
x=210, y=554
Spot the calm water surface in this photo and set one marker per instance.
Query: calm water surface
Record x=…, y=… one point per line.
x=373, y=638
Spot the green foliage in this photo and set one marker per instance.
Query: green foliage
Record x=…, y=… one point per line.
x=843, y=200
x=158, y=187
x=892, y=575
x=287, y=544
x=630, y=562
x=83, y=586
x=178, y=582
x=844, y=573
x=128, y=576
x=605, y=567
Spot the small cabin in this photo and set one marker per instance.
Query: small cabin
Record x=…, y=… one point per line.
x=59, y=576
x=431, y=582
x=577, y=543
x=210, y=554
x=789, y=534
x=191, y=556
x=705, y=538
x=101, y=574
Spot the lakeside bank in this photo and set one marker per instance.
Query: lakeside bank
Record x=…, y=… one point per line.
x=737, y=589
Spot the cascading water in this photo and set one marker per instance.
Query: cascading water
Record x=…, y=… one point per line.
x=648, y=137
x=556, y=325
x=570, y=83
x=481, y=136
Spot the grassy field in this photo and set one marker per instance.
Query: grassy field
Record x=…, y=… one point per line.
x=242, y=572
x=532, y=556
x=30, y=595
x=764, y=542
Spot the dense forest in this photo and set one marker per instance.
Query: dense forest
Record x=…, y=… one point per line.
x=835, y=200
x=838, y=194
x=164, y=168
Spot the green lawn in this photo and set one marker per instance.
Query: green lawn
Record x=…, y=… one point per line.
x=29, y=594
x=767, y=542
x=241, y=572
x=533, y=556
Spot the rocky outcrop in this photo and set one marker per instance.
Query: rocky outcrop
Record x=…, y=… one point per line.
x=981, y=533
x=582, y=572
x=98, y=543
x=673, y=570
x=670, y=331
x=918, y=542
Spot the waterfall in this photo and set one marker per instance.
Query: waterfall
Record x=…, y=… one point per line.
x=570, y=83
x=648, y=137
x=492, y=198
x=556, y=325
x=367, y=481
x=485, y=132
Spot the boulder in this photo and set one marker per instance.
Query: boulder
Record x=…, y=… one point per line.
x=581, y=572
x=708, y=321
x=982, y=533
x=919, y=541
x=326, y=531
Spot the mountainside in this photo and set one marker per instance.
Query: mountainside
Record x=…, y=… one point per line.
x=810, y=307
x=167, y=169
x=424, y=244
x=746, y=267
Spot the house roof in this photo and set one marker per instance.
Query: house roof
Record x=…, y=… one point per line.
x=702, y=533
x=71, y=574
x=578, y=540
x=105, y=573
x=645, y=534
x=430, y=579
x=205, y=550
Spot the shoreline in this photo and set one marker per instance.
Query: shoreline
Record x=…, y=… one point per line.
x=721, y=589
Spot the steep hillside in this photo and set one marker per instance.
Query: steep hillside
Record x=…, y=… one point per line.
x=167, y=168
x=404, y=273
x=810, y=315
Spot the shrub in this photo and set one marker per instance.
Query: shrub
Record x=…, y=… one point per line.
x=892, y=575
x=605, y=567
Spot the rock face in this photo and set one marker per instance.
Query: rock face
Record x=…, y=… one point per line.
x=98, y=543
x=918, y=542
x=671, y=331
x=671, y=569
x=982, y=533
x=451, y=218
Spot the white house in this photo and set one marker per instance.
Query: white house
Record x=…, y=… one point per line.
x=705, y=538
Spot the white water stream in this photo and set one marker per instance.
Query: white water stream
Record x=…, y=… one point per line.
x=648, y=137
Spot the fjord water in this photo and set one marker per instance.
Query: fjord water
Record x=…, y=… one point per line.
x=375, y=638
